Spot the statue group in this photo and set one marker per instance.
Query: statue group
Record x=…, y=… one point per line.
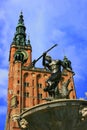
x=56, y=68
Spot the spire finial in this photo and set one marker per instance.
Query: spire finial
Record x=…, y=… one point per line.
x=21, y=20
x=20, y=35
x=21, y=12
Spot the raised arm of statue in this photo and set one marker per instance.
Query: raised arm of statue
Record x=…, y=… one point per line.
x=46, y=60
x=43, y=60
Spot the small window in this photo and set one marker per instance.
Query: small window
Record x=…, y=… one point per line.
x=39, y=85
x=26, y=94
x=26, y=84
x=32, y=82
x=18, y=81
x=39, y=96
x=17, y=102
x=18, y=70
x=18, y=92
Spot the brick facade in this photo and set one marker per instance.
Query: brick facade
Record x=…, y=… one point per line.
x=25, y=85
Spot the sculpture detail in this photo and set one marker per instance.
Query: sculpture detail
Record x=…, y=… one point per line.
x=23, y=123
x=67, y=63
x=56, y=68
x=64, y=92
x=83, y=113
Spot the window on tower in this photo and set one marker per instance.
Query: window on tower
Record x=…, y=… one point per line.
x=26, y=84
x=18, y=92
x=33, y=83
x=18, y=81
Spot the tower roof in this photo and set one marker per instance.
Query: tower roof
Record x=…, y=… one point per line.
x=20, y=35
x=21, y=20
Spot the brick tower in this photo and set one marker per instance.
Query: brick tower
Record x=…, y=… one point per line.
x=25, y=83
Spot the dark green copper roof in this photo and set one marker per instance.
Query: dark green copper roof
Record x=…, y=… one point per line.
x=20, y=35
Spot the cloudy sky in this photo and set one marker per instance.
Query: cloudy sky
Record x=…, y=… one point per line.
x=47, y=22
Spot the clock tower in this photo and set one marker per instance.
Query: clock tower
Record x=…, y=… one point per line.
x=26, y=83
x=20, y=55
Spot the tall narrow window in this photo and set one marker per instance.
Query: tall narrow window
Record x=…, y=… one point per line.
x=33, y=83
x=18, y=81
x=18, y=92
x=26, y=84
x=39, y=96
x=39, y=85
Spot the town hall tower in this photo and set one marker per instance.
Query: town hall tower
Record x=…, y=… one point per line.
x=26, y=82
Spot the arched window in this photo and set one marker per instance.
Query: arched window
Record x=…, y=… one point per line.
x=39, y=84
x=26, y=75
x=26, y=82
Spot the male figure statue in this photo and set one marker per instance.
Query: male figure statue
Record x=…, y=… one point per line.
x=55, y=68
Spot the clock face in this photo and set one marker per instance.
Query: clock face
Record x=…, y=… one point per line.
x=23, y=53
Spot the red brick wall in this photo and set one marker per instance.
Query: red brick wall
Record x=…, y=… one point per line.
x=27, y=86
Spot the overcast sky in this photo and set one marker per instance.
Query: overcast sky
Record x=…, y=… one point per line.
x=47, y=22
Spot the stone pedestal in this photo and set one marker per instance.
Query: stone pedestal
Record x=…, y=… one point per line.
x=63, y=114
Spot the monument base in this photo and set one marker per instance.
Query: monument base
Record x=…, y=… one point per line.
x=61, y=114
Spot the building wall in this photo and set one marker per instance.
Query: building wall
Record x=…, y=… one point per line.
x=26, y=83
x=25, y=87
x=33, y=84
